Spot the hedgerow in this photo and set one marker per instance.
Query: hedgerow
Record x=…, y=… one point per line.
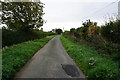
x=14, y=57
x=91, y=63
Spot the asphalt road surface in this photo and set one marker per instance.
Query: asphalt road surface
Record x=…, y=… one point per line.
x=52, y=61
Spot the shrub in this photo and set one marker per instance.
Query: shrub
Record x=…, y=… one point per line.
x=92, y=64
x=10, y=37
x=111, y=31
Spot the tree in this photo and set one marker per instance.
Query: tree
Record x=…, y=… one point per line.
x=72, y=30
x=22, y=15
x=87, y=23
x=59, y=31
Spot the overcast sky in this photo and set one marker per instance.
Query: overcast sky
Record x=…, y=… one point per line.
x=71, y=13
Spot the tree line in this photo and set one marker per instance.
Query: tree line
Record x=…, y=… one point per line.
x=23, y=20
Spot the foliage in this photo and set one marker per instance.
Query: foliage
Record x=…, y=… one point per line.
x=111, y=49
x=16, y=56
x=59, y=31
x=111, y=31
x=92, y=64
x=72, y=30
x=10, y=37
x=105, y=39
x=87, y=23
x=22, y=16
x=81, y=33
x=66, y=32
x=69, y=35
x=93, y=30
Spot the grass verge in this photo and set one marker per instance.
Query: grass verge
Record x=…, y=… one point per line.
x=90, y=62
x=14, y=57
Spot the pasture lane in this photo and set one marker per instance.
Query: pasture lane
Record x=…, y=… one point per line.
x=52, y=61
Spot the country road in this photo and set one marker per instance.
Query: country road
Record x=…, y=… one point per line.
x=52, y=61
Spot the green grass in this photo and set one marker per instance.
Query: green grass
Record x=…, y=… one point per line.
x=90, y=62
x=14, y=57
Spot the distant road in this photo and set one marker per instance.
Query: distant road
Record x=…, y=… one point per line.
x=52, y=61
